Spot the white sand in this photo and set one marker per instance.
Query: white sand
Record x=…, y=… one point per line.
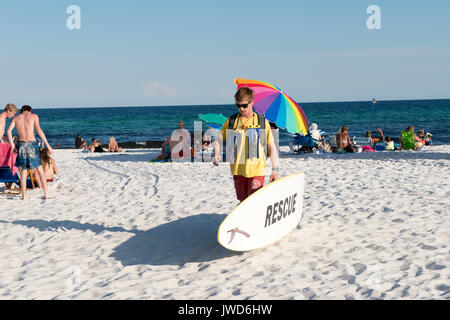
x=374, y=226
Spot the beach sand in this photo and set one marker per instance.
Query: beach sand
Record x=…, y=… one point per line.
x=375, y=225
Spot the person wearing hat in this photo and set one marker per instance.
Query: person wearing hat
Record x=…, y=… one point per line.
x=315, y=133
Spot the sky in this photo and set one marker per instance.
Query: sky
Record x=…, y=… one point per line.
x=148, y=53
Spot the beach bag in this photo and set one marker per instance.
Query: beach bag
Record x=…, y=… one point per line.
x=408, y=140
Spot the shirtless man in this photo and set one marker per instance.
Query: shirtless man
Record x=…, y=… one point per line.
x=179, y=141
x=9, y=112
x=28, y=153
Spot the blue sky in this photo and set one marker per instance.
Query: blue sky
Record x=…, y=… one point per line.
x=144, y=53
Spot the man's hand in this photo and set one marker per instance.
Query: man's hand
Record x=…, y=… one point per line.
x=273, y=176
x=50, y=150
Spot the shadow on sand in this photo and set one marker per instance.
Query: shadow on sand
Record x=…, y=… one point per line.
x=139, y=156
x=43, y=225
x=190, y=239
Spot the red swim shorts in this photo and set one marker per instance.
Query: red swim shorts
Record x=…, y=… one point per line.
x=246, y=186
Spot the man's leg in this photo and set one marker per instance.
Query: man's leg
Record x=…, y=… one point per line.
x=43, y=181
x=240, y=185
x=23, y=183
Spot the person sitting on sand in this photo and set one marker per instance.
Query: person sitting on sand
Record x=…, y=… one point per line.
x=389, y=143
x=315, y=133
x=181, y=139
x=375, y=139
x=425, y=140
x=80, y=143
x=113, y=146
x=428, y=140
x=96, y=146
x=409, y=140
x=49, y=165
x=343, y=140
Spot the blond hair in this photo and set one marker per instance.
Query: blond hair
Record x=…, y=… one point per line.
x=11, y=107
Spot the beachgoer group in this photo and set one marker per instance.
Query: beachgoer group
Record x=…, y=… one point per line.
x=28, y=150
x=408, y=140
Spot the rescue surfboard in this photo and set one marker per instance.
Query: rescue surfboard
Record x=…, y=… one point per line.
x=266, y=216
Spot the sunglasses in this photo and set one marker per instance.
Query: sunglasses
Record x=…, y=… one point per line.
x=244, y=105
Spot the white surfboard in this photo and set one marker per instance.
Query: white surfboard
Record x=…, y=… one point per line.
x=264, y=217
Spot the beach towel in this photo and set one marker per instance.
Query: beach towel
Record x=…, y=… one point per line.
x=367, y=149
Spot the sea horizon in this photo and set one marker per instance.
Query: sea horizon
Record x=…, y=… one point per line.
x=221, y=104
x=150, y=125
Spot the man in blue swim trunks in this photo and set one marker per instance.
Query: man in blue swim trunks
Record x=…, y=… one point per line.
x=28, y=153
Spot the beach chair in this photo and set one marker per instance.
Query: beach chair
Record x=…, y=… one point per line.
x=303, y=143
x=362, y=141
x=9, y=180
x=407, y=138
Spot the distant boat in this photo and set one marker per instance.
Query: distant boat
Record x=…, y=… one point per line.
x=374, y=101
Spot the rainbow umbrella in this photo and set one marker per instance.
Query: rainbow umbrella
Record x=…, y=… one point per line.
x=276, y=106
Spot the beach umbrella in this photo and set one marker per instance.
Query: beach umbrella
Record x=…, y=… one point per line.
x=276, y=106
x=213, y=120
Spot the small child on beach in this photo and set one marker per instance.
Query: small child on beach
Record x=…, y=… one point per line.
x=389, y=143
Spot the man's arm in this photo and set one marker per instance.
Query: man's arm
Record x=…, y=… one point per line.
x=41, y=133
x=273, y=154
x=9, y=133
x=216, y=147
x=2, y=128
x=218, y=143
x=381, y=134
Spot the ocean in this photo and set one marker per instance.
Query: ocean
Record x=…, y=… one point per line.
x=141, y=124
